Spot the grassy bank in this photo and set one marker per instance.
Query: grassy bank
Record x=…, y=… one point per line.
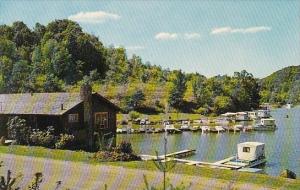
x=163, y=116
x=80, y=156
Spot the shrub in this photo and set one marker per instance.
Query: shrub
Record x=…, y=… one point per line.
x=201, y=110
x=65, y=141
x=18, y=130
x=123, y=152
x=2, y=140
x=124, y=147
x=134, y=115
x=124, y=122
x=43, y=138
x=112, y=156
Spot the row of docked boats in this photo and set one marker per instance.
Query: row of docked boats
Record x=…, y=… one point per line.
x=265, y=124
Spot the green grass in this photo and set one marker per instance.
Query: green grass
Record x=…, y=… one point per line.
x=162, y=116
x=80, y=156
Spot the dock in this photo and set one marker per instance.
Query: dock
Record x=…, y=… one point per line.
x=230, y=163
x=178, y=154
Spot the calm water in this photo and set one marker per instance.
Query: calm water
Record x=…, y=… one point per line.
x=282, y=146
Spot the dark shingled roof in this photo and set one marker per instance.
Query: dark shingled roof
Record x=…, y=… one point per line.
x=41, y=103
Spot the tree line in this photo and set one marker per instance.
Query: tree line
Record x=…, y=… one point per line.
x=60, y=56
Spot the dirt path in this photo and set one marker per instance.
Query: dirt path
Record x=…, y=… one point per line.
x=77, y=175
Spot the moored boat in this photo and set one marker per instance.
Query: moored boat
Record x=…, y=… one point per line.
x=266, y=124
x=205, y=129
x=249, y=155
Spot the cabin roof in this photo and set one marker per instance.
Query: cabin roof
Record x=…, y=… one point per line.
x=42, y=103
x=251, y=144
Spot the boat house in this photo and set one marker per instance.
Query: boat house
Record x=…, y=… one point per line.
x=82, y=114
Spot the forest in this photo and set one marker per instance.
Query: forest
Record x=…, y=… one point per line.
x=59, y=57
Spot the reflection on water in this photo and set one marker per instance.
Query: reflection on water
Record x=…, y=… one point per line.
x=282, y=146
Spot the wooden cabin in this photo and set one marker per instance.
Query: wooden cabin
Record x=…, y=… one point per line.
x=83, y=114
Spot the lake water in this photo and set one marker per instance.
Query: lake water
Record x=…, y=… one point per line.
x=282, y=145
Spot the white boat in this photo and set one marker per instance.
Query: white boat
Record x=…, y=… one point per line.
x=249, y=154
x=205, y=129
x=238, y=127
x=119, y=130
x=219, y=129
x=242, y=116
x=266, y=124
x=263, y=113
x=185, y=127
x=171, y=129
x=252, y=115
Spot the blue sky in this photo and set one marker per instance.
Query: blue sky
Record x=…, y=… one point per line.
x=209, y=37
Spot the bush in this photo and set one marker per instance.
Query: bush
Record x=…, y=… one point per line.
x=124, y=147
x=124, y=122
x=43, y=138
x=201, y=110
x=65, y=141
x=112, y=156
x=134, y=115
x=2, y=140
x=18, y=130
x=123, y=152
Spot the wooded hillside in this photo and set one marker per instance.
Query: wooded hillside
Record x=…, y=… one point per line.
x=60, y=56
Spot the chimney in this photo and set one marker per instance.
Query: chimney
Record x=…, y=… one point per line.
x=62, y=106
x=86, y=97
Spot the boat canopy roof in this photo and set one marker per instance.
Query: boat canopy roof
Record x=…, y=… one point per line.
x=251, y=144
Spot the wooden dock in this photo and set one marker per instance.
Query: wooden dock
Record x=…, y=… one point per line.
x=178, y=154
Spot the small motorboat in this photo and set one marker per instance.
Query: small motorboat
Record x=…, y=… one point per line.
x=266, y=124
x=205, y=129
x=185, y=127
x=219, y=129
x=171, y=129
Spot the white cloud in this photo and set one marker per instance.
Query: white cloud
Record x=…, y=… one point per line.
x=94, y=17
x=134, y=48
x=166, y=36
x=191, y=36
x=229, y=30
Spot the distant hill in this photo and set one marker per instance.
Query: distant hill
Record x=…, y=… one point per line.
x=282, y=86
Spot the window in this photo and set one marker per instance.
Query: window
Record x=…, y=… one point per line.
x=101, y=119
x=246, y=149
x=73, y=118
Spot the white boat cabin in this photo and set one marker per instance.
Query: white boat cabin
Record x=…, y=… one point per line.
x=263, y=113
x=251, y=151
x=267, y=122
x=252, y=115
x=242, y=116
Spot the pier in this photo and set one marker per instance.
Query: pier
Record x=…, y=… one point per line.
x=178, y=154
x=229, y=163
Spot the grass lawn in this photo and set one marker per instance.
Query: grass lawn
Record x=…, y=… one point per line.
x=80, y=156
x=162, y=116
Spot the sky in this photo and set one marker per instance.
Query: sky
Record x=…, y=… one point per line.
x=208, y=37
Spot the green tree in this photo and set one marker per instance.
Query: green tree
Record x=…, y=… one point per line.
x=177, y=92
x=18, y=130
x=222, y=104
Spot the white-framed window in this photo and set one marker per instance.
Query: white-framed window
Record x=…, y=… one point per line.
x=246, y=149
x=101, y=119
x=73, y=118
